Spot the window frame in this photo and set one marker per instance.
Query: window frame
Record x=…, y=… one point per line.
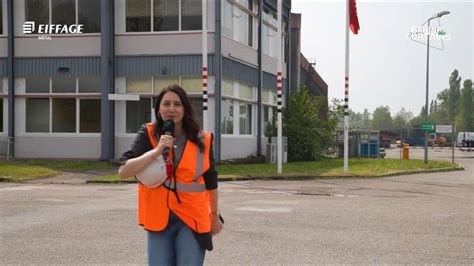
x=50, y=20
x=78, y=96
x=235, y=25
x=152, y=30
x=237, y=100
x=154, y=92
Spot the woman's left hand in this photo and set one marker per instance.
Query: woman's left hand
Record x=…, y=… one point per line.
x=216, y=224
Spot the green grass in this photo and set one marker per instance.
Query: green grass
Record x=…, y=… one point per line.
x=72, y=165
x=325, y=169
x=331, y=167
x=15, y=172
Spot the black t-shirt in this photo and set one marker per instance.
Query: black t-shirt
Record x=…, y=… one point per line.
x=142, y=144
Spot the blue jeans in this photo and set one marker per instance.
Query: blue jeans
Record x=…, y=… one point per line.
x=176, y=245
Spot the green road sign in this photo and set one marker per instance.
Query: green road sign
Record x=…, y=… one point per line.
x=427, y=127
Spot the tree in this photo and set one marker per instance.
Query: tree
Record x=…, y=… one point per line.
x=355, y=119
x=465, y=119
x=309, y=133
x=382, y=119
x=337, y=111
x=402, y=118
x=366, y=119
x=449, y=98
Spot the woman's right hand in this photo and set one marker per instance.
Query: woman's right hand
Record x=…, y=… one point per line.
x=165, y=141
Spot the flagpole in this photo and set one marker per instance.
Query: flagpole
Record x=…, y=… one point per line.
x=346, y=96
x=204, y=65
x=279, y=91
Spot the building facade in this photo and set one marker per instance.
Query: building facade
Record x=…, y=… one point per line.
x=84, y=95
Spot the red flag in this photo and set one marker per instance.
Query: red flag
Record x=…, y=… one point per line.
x=353, y=19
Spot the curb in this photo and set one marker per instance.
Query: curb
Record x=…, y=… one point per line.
x=111, y=182
x=413, y=172
x=302, y=178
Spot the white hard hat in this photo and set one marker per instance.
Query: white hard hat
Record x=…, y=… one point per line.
x=155, y=173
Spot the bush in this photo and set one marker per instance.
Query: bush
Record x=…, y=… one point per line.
x=309, y=130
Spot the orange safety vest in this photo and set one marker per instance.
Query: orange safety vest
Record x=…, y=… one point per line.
x=193, y=209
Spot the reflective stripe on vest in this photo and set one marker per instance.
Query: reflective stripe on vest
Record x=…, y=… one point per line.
x=184, y=187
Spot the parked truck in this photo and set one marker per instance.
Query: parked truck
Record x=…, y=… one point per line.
x=465, y=139
x=433, y=140
x=436, y=140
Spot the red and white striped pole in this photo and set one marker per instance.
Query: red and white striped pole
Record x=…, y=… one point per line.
x=204, y=98
x=279, y=91
x=346, y=97
x=204, y=66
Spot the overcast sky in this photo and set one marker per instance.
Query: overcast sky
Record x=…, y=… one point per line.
x=386, y=68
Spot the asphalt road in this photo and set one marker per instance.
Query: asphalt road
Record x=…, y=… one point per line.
x=417, y=219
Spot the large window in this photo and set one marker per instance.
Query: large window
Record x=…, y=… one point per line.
x=269, y=33
x=238, y=20
x=138, y=113
x=192, y=84
x=147, y=85
x=227, y=117
x=1, y=114
x=37, y=85
x=160, y=83
x=64, y=115
x=245, y=119
x=89, y=15
x=89, y=114
x=239, y=102
x=37, y=11
x=227, y=88
x=165, y=15
x=191, y=13
x=66, y=12
x=1, y=18
x=227, y=19
x=138, y=15
x=89, y=85
x=63, y=12
x=64, y=85
x=58, y=112
x=1, y=103
x=37, y=115
x=138, y=84
x=269, y=116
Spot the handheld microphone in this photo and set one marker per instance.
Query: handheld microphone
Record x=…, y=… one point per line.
x=168, y=129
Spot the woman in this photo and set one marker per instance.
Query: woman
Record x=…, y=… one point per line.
x=182, y=213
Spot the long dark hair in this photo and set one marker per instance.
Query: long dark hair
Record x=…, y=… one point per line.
x=190, y=121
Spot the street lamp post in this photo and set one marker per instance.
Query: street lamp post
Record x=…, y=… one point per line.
x=437, y=15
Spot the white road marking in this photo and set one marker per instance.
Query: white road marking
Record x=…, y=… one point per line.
x=51, y=200
x=270, y=209
x=20, y=188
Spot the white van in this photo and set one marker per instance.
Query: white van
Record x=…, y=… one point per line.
x=465, y=139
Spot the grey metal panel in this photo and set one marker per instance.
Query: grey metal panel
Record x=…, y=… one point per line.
x=269, y=80
x=238, y=71
x=3, y=67
x=78, y=66
x=313, y=88
x=162, y=65
x=72, y=147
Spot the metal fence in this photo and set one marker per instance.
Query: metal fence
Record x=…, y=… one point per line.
x=389, y=144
